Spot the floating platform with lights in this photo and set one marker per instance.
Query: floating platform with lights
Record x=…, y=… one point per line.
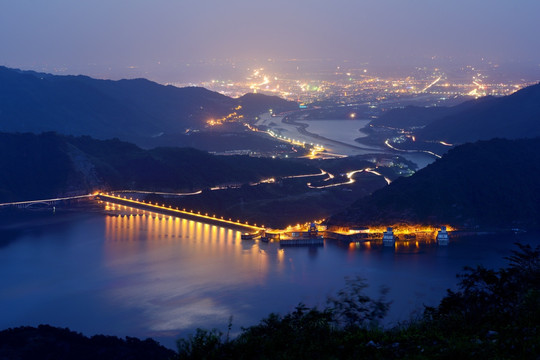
x=307, y=238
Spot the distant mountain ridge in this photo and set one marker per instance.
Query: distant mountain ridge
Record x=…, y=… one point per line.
x=514, y=116
x=130, y=110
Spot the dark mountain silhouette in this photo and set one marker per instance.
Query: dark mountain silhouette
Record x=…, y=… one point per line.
x=512, y=117
x=131, y=110
x=252, y=104
x=48, y=165
x=47, y=342
x=419, y=116
x=492, y=183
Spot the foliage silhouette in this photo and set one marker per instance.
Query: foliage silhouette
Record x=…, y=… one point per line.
x=494, y=314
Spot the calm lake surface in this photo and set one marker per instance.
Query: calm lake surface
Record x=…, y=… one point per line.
x=136, y=273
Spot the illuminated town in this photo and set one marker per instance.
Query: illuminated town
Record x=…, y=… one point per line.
x=353, y=85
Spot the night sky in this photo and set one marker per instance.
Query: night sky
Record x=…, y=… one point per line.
x=122, y=33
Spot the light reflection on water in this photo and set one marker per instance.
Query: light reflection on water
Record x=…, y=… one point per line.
x=186, y=263
x=136, y=273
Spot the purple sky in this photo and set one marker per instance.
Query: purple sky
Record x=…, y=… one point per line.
x=78, y=34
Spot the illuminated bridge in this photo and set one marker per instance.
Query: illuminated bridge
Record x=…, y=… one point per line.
x=169, y=210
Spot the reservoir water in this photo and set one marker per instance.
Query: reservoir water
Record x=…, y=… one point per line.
x=136, y=273
x=342, y=131
x=345, y=131
x=339, y=137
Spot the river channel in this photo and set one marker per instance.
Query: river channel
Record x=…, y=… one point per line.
x=129, y=272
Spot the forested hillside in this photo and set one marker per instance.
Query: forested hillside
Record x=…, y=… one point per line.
x=46, y=165
x=492, y=183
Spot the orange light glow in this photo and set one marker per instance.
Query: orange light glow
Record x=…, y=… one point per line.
x=199, y=215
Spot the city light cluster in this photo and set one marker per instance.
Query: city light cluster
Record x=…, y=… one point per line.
x=232, y=117
x=355, y=86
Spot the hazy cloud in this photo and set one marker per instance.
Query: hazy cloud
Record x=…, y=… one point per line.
x=137, y=32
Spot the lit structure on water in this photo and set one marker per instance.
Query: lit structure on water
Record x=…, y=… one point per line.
x=442, y=236
x=388, y=237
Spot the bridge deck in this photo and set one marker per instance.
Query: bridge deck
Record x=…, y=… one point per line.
x=177, y=212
